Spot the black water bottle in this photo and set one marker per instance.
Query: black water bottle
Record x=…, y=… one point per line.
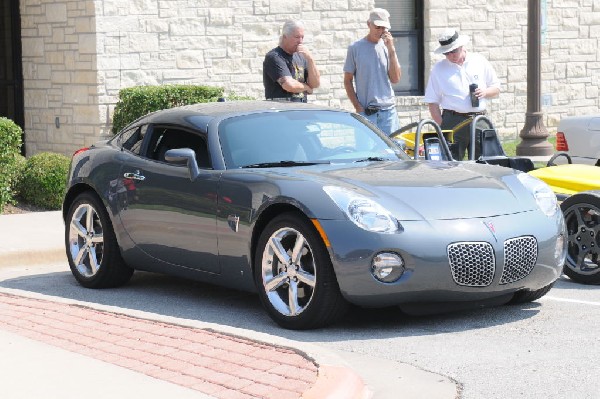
x=474, y=99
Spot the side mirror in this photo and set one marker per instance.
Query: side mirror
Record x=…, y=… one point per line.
x=184, y=156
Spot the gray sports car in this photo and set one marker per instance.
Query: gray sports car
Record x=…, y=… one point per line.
x=313, y=208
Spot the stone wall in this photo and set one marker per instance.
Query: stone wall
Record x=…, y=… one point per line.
x=62, y=110
x=77, y=55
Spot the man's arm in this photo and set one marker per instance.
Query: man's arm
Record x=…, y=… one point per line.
x=488, y=92
x=291, y=85
x=276, y=69
x=394, y=70
x=351, y=93
x=436, y=113
x=314, y=77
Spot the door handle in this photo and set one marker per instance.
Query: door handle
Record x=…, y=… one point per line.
x=135, y=175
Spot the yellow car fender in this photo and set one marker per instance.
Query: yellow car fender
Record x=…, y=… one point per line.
x=569, y=179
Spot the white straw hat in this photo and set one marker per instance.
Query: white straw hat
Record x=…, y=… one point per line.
x=450, y=40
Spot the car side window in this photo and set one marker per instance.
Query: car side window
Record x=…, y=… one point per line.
x=167, y=138
x=131, y=139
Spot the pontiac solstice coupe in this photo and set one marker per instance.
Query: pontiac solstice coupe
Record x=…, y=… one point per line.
x=313, y=208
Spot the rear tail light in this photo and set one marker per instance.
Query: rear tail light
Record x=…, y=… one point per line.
x=561, y=142
x=80, y=150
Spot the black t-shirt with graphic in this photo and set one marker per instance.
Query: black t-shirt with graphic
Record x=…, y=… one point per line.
x=277, y=64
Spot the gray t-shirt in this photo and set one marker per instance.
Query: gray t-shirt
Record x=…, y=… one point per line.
x=369, y=63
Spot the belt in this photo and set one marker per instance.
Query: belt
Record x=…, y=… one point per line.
x=464, y=114
x=290, y=99
x=372, y=109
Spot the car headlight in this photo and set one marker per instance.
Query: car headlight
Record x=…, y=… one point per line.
x=544, y=196
x=363, y=211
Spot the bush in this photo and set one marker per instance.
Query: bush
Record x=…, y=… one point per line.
x=19, y=168
x=10, y=146
x=43, y=182
x=135, y=102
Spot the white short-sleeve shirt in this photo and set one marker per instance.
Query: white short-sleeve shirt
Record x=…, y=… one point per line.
x=448, y=83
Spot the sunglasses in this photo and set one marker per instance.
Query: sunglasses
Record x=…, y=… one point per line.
x=456, y=50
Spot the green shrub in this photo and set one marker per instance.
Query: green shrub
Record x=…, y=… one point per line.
x=19, y=168
x=10, y=145
x=43, y=182
x=135, y=102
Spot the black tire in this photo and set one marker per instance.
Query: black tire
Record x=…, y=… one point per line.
x=525, y=296
x=92, y=250
x=559, y=155
x=309, y=279
x=582, y=217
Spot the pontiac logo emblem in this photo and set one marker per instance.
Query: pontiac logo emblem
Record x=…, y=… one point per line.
x=491, y=228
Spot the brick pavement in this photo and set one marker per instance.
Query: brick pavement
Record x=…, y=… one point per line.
x=216, y=364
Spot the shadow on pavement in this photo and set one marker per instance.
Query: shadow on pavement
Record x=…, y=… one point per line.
x=174, y=297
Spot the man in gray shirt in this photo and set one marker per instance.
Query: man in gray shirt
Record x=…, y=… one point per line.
x=370, y=69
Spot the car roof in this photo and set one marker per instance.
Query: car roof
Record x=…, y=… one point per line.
x=228, y=108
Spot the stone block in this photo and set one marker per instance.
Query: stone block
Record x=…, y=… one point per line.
x=287, y=6
x=190, y=60
x=220, y=17
x=87, y=44
x=33, y=47
x=56, y=12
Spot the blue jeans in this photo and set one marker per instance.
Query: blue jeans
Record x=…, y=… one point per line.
x=385, y=119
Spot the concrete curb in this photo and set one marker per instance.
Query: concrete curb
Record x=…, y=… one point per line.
x=31, y=238
x=334, y=382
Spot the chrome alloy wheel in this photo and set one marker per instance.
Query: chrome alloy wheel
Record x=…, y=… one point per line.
x=288, y=271
x=86, y=240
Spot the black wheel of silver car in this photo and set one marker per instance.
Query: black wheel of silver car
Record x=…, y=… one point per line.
x=530, y=295
x=559, y=155
x=92, y=249
x=582, y=216
x=294, y=275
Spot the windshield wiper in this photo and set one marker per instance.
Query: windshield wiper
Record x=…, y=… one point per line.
x=378, y=159
x=283, y=164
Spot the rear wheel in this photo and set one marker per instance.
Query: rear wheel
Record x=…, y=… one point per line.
x=294, y=275
x=92, y=250
x=559, y=155
x=582, y=217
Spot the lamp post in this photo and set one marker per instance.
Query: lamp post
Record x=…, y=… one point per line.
x=534, y=133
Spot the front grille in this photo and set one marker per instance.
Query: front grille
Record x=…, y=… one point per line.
x=472, y=263
x=520, y=256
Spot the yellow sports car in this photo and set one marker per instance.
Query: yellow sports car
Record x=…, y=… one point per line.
x=579, y=186
x=576, y=185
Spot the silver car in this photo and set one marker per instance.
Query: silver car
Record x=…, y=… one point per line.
x=313, y=208
x=579, y=137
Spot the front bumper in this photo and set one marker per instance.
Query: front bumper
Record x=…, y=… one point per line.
x=429, y=276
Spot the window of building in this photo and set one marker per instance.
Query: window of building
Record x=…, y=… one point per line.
x=406, y=18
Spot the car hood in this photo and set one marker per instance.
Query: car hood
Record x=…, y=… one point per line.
x=417, y=190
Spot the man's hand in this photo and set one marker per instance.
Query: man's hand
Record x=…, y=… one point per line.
x=304, y=51
x=388, y=40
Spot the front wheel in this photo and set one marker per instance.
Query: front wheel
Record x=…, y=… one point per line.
x=92, y=250
x=582, y=217
x=294, y=275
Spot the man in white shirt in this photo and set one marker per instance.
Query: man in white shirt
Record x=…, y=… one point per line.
x=459, y=87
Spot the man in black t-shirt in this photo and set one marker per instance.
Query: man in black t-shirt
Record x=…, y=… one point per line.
x=289, y=71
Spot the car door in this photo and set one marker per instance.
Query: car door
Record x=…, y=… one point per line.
x=166, y=214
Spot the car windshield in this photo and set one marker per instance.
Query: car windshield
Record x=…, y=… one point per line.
x=301, y=137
